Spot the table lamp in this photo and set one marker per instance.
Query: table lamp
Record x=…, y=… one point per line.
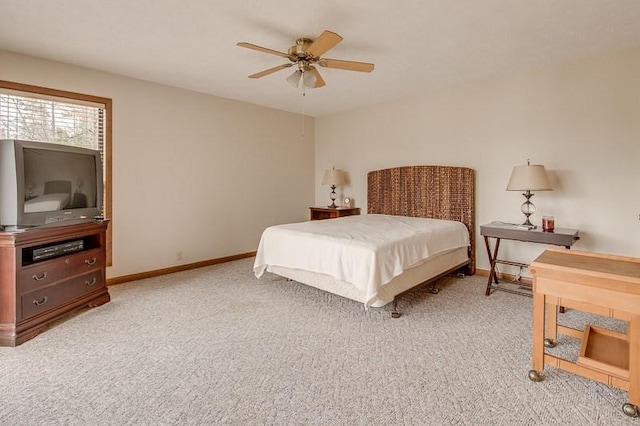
x=532, y=177
x=333, y=178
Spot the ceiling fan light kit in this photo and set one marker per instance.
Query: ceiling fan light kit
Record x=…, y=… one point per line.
x=305, y=74
x=305, y=54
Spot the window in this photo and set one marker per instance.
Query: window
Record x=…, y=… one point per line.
x=42, y=114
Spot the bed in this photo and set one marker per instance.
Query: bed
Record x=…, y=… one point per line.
x=57, y=196
x=402, y=202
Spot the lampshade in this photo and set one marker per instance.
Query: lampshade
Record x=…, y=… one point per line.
x=333, y=177
x=294, y=79
x=309, y=79
x=529, y=178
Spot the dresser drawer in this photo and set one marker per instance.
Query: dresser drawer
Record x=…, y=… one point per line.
x=48, y=272
x=52, y=296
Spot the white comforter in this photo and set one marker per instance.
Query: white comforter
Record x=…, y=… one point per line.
x=367, y=251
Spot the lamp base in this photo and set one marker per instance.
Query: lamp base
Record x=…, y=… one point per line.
x=333, y=197
x=527, y=208
x=527, y=225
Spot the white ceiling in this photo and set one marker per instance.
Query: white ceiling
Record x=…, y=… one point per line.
x=417, y=45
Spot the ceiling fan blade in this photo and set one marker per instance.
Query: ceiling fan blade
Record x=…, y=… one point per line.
x=326, y=41
x=262, y=49
x=270, y=71
x=346, y=65
x=319, y=80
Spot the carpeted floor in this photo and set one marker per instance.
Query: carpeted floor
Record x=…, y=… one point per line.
x=215, y=346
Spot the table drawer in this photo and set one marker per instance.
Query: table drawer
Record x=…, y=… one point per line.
x=48, y=272
x=52, y=296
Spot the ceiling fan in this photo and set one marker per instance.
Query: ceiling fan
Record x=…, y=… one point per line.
x=305, y=54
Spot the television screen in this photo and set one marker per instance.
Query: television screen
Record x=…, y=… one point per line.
x=58, y=180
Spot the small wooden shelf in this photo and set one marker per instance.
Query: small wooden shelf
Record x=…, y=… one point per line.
x=606, y=351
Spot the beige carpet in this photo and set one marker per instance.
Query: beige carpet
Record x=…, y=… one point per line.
x=215, y=346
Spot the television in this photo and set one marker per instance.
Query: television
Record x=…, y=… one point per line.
x=48, y=184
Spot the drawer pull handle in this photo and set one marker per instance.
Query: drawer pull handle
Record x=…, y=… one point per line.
x=92, y=282
x=90, y=262
x=41, y=301
x=41, y=277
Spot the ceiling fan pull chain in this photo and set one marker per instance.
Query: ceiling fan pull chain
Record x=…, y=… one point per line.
x=304, y=93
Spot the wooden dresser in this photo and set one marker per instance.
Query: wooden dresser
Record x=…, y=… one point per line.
x=45, y=273
x=602, y=284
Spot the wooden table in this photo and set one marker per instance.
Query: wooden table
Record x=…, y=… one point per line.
x=602, y=284
x=507, y=231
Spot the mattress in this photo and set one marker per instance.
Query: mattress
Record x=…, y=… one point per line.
x=366, y=252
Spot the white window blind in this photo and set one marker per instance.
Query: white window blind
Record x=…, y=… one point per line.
x=50, y=119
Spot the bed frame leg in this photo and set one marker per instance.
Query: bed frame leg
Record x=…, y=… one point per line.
x=394, y=312
x=432, y=289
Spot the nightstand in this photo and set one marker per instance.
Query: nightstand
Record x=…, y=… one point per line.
x=507, y=231
x=317, y=213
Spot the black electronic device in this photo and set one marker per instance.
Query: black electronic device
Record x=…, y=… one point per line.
x=55, y=250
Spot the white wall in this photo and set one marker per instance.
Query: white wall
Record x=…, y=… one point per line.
x=192, y=173
x=580, y=120
x=204, y=176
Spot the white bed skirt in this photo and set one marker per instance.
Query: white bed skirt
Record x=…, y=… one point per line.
x=431, y=268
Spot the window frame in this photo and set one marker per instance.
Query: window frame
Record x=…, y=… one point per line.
x=107, y=102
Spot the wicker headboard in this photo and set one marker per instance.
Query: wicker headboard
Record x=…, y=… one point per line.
x=439, y=192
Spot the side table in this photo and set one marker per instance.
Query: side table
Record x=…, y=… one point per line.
x=317, y=213
x=507, y=231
